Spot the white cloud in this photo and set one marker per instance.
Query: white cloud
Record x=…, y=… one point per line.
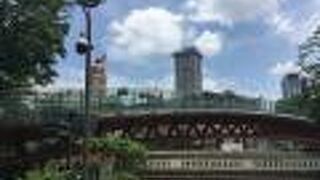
x=281, y=69
x=295, y=26
x=190, y=34
x=249, y=88
x=165, y=82
x=157, y=31
x=292, y=28
x=227, y=12
x=209, y=43
x=148, y=31
x=282, y=24
x=212, y=84
x=73, y=79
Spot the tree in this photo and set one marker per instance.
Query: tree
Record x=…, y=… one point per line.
x=308, y=103
x=32, y=37
x=309, y=55
x=311, y=102
x=309, y=60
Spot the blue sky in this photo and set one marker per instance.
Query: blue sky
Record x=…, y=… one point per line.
x=248, y=44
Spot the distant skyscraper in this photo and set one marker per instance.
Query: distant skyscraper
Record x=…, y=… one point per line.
x=98, y=77
x=188, y=72
x=294, y=84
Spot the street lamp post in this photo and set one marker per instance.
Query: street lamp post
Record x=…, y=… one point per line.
x=87, y=77
x=84, y=47
x=87, y=93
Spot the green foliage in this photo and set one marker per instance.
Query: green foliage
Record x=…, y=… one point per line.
x=14, y=107
x=32, y=36
x=309, y=55
x=50, y=172
x=120, y=147
x=311, y=102
x=309, y=60
x=307, y=104
x=124, y=156
x=122, y=175
x=290, y=106
x=129, y=155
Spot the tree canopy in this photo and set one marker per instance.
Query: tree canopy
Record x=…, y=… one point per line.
x=308, y=103
x=309, y=55
x=32, y=37
x=309, y=59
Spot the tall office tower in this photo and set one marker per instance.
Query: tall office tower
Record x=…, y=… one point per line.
x=98, y=77
x=294, y=84
x=188, y=72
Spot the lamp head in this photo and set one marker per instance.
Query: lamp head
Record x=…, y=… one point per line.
x=82, y=45
x=89, y=3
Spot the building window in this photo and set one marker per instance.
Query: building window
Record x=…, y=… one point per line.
x=213, y=164
x=150, y=163
x=316, y=163
x=219, y=163
x=183, y=164
x=225, y=164
x=206, y=164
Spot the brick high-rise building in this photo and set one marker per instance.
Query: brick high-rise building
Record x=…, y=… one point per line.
x=188, y=72
x=98, y=77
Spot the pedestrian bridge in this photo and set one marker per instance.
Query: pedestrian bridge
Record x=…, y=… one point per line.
x=221, y=144
x=212, y=129
x=188, y=143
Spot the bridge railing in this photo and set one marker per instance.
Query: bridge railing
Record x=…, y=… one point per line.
x=196, y=161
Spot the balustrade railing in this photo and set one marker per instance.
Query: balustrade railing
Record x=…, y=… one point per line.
x=196, y=161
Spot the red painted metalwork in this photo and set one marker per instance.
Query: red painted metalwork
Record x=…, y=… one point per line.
x=204, y=124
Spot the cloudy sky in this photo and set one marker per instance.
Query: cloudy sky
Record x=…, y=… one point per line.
x=248, y=44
